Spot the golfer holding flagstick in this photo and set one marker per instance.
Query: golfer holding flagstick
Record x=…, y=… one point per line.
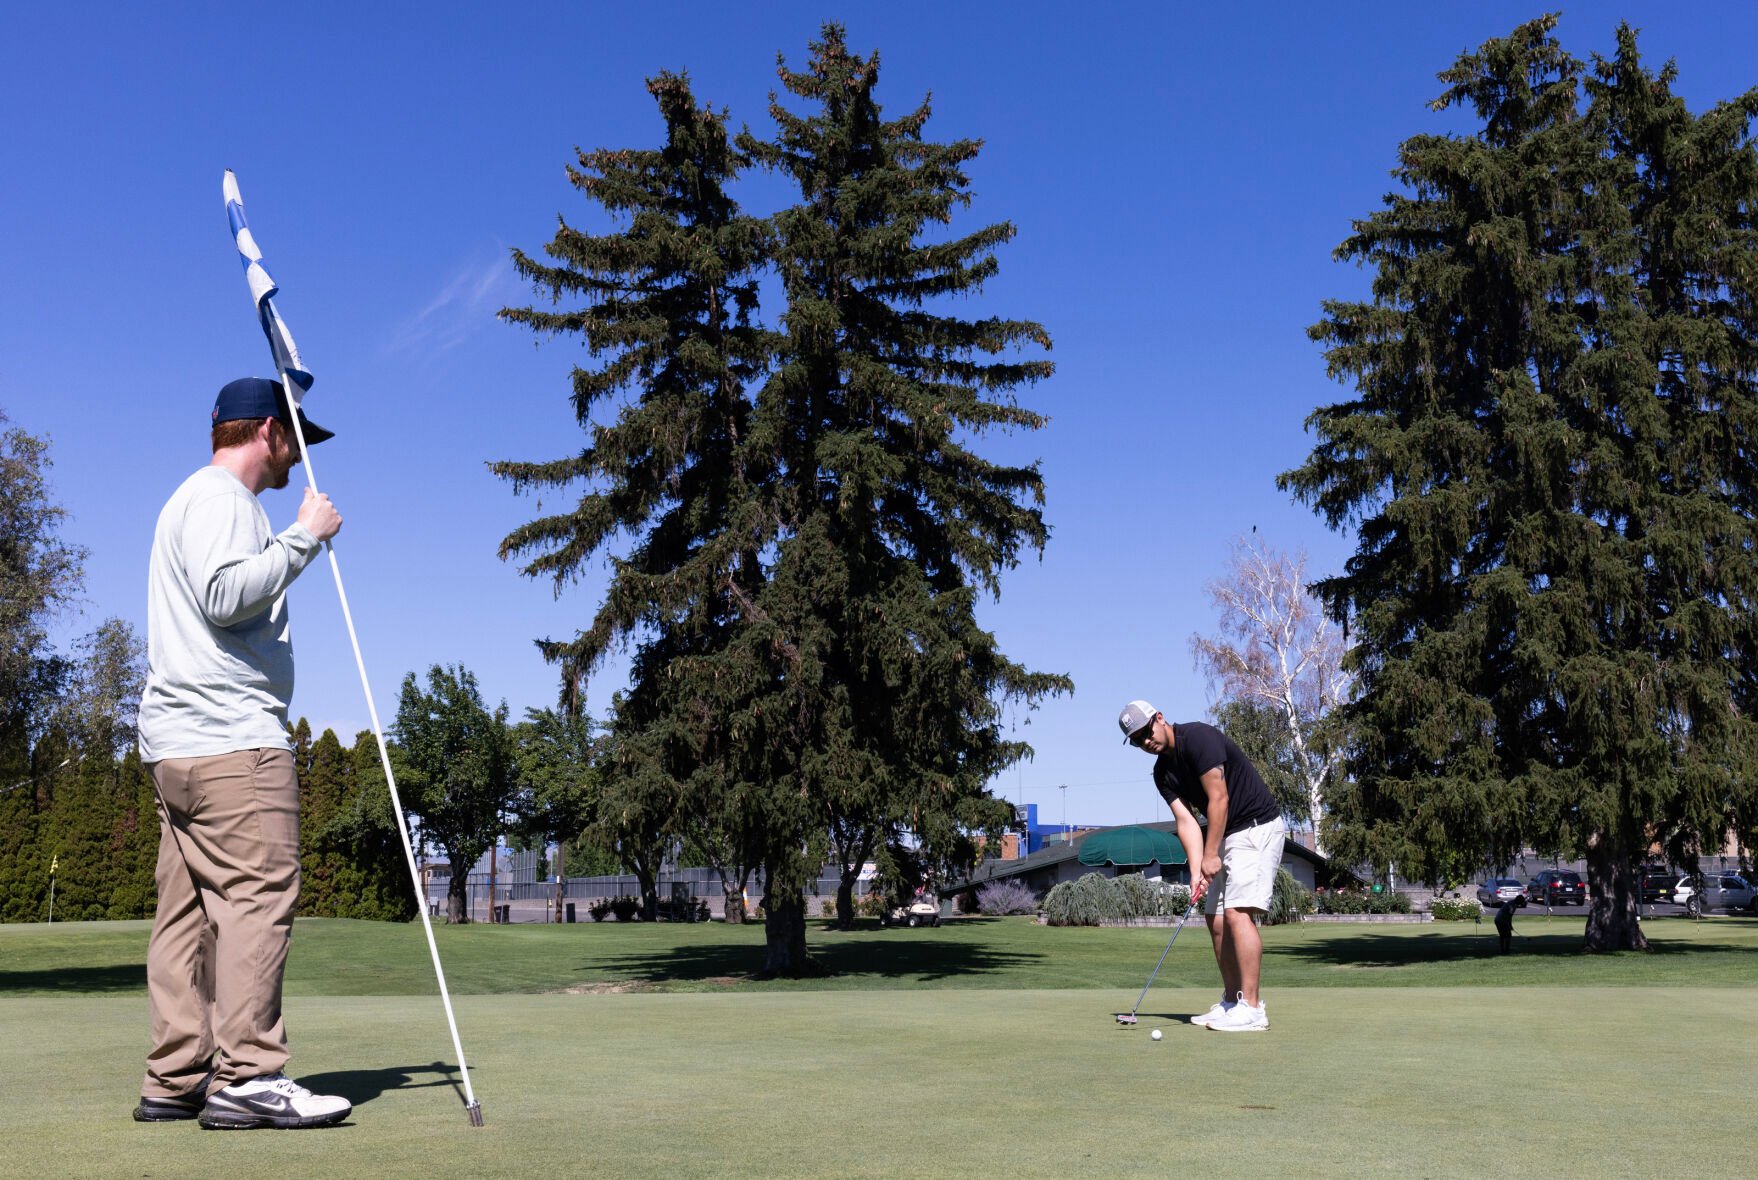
x=213, y=733
x=1199, y=770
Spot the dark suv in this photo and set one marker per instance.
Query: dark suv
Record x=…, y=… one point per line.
x=1556, y=887
x=1656, y=885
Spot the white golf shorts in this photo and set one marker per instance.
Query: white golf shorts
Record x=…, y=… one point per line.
x=1249, y=860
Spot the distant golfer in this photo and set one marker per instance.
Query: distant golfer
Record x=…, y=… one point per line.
x=1200, y=771
x=213, y=732
x=1505, y=925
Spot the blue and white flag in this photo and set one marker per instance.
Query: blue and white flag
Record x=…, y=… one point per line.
x=262, y=292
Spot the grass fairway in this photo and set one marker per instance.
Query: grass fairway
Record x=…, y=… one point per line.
x=899, y=1068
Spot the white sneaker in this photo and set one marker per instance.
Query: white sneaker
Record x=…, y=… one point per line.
x=272, y=1100
x=1242, y=1018
x=1213, y=1014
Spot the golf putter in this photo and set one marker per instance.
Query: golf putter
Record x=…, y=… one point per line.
x=1127, y=1019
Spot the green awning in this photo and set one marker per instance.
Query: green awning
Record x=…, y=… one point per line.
x=1131, y=846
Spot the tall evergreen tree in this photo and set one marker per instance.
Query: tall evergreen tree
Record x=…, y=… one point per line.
x=884, y=697
x=373, y=881
x=134, y=891
x=670, y=301
x=322, y=767
x=807, y=561
x=27, y=834
x=1549, y=460
x=84, y=817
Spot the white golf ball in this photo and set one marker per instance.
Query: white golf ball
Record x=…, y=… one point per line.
x=1156, y=1034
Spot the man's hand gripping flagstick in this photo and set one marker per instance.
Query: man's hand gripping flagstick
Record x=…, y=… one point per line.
x=296, y=381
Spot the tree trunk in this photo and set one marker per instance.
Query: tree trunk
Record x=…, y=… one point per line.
x=458, y=899
x=845, y=899
x=649, y=894
x=1614, y=901
x=784, y=928
x=732, y=892
x=852, y=858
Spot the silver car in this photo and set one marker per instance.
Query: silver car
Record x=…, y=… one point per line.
x=1496, y=890
x=1727, y=891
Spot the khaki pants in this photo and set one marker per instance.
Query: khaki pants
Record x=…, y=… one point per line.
x=228, y=878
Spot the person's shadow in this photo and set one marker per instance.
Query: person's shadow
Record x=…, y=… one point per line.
x=360, y=1086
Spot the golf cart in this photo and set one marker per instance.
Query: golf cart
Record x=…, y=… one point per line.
x=920, y=912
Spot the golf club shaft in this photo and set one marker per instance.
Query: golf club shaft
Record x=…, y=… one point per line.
x=1150, y=983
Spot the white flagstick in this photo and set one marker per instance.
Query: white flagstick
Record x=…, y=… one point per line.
x=473, y=1107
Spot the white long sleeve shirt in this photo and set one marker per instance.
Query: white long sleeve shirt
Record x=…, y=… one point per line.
x=219, y=654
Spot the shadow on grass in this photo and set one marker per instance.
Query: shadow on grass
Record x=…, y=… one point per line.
x=1388, y=950
x=117, y=977
x=914, y=954
x=361, y=1086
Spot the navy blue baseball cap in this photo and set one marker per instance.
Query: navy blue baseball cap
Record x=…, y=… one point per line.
x=258, y=397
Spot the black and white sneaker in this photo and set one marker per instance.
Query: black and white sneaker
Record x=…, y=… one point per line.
x=273, y=1100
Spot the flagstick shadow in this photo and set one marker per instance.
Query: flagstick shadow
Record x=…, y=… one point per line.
x=360, y=1086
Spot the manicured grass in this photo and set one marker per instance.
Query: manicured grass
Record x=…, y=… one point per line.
x=982, y=1049
x=935, y=1083
x=341, y=958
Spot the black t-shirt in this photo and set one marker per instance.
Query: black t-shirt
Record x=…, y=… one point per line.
x=1198, y=748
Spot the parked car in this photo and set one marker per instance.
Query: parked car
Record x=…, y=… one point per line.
x=1683, y=889
x=1656, y=885
x=1728, y=891
x=1557, y=887
x=1496, y=890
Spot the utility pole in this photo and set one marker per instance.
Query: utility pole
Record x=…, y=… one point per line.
x=1064, y=789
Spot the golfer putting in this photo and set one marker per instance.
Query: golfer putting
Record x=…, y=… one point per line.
x=1200, y=771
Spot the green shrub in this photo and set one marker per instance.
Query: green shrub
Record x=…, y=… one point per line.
x=1073, y=903
x=1096, y=898
x=1352, y=901
x=1289, y=900
x=1455, y=909
x=625, y=907
x=600, y=909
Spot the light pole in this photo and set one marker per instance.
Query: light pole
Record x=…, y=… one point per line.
x=1064, y=789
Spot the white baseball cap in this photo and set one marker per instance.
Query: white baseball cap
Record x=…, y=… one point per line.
x=1136, y=716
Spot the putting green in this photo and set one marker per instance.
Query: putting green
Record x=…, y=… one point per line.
x=904, y=1082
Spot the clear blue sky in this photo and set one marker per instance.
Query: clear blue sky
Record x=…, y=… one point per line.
x=1178, y=175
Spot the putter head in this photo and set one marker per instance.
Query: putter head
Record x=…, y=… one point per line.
x=1126, y=1018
